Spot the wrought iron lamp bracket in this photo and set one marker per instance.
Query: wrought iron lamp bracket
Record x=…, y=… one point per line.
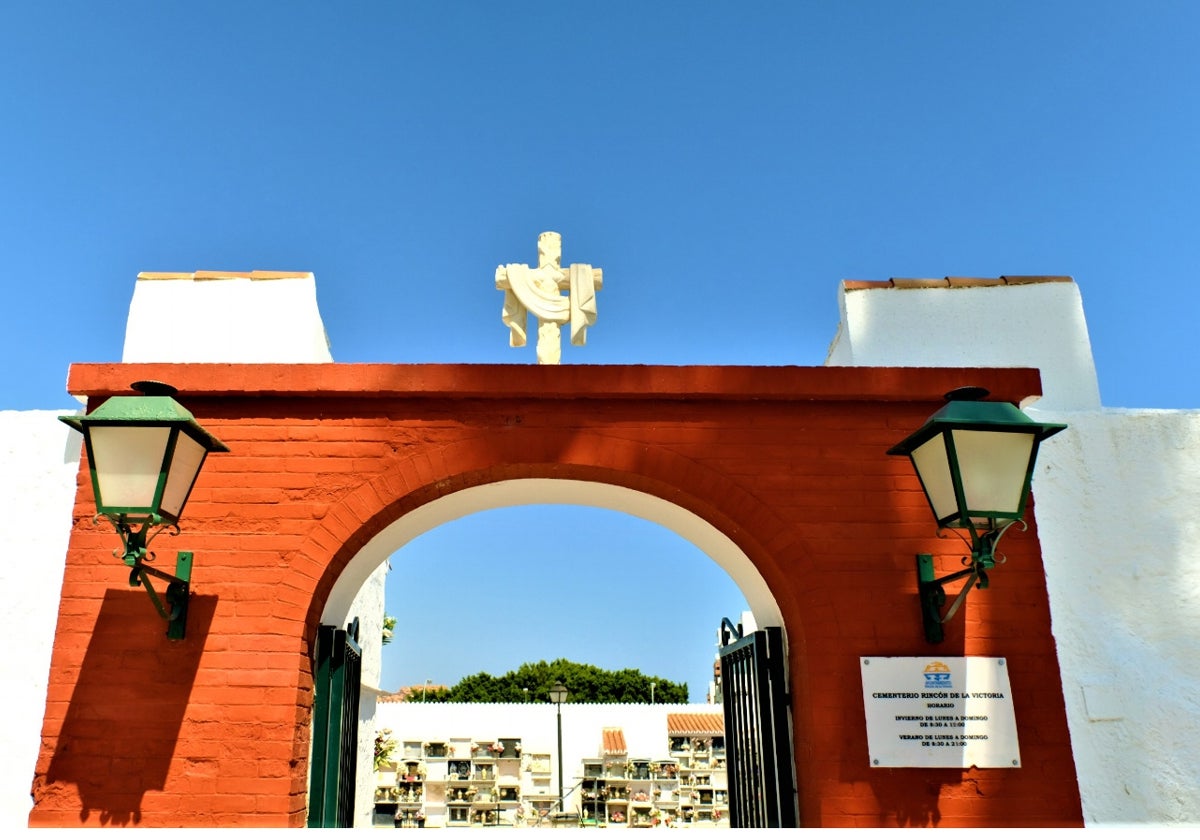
x=135, y=553
x=135, y=541
x=931, y=589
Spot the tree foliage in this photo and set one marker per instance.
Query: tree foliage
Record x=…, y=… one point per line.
x=531, y=683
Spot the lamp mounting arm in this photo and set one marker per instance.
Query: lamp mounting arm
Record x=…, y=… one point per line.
x=178, y=593
x=134, y=551
x=932, y=591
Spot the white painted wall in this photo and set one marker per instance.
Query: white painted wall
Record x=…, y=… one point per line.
x=1116, y=499
x=1037, y=324
x=251, y=317
x=39, y=459
x=1115, y=503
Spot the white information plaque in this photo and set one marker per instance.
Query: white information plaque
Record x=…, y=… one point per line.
x=954, y=711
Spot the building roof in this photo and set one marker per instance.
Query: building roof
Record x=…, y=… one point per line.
x=696, y=724
x=613, y=741
x=224, y=275
x=951, y=282
x=404, y=694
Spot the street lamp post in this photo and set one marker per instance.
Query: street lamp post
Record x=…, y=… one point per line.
x=558, y=696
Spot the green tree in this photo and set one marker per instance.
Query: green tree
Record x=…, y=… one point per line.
x=532, y=682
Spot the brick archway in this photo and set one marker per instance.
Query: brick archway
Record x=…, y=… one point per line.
x=569, y=480
x=786, y=464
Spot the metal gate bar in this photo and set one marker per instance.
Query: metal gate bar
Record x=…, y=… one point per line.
x=760, y=770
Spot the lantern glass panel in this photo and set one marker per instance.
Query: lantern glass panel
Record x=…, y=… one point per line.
x=994, y=466
x=185, y=466
x=933, y=466
x=127, y=464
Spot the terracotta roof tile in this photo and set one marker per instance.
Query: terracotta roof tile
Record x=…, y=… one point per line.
x=918, y=282
x=402, y=694
x=1018, y=280
x=689, y=723
x=960, y=282
x=852, y=285
x=952, y=282
x=614, y=741
x=223, y=275
x=218, y=275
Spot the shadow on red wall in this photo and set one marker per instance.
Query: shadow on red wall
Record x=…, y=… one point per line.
x=124, y=716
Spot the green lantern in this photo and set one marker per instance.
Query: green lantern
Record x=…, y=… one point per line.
x=975, y=461
x=144, y=454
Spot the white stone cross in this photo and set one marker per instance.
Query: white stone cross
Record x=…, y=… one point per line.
x=538, y=290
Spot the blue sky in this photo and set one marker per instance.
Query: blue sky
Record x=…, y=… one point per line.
x=692, y=149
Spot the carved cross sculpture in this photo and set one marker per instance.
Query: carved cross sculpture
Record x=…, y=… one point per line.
x=538, y=290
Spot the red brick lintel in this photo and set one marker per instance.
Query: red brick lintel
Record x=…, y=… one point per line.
x=597, y=382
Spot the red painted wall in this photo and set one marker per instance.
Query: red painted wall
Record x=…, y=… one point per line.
x=788, y=462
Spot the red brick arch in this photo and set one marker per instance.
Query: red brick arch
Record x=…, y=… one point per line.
x=561, y=455
x=787, y=463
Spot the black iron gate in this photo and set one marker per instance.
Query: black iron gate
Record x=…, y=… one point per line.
x=335, y=728
x=758, y=735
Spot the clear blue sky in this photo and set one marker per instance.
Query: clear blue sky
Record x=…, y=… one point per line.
x=402, y=150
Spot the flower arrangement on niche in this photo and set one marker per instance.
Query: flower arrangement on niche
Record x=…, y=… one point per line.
x=385, y=745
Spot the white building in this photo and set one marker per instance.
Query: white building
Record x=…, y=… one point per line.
x=623, y=765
